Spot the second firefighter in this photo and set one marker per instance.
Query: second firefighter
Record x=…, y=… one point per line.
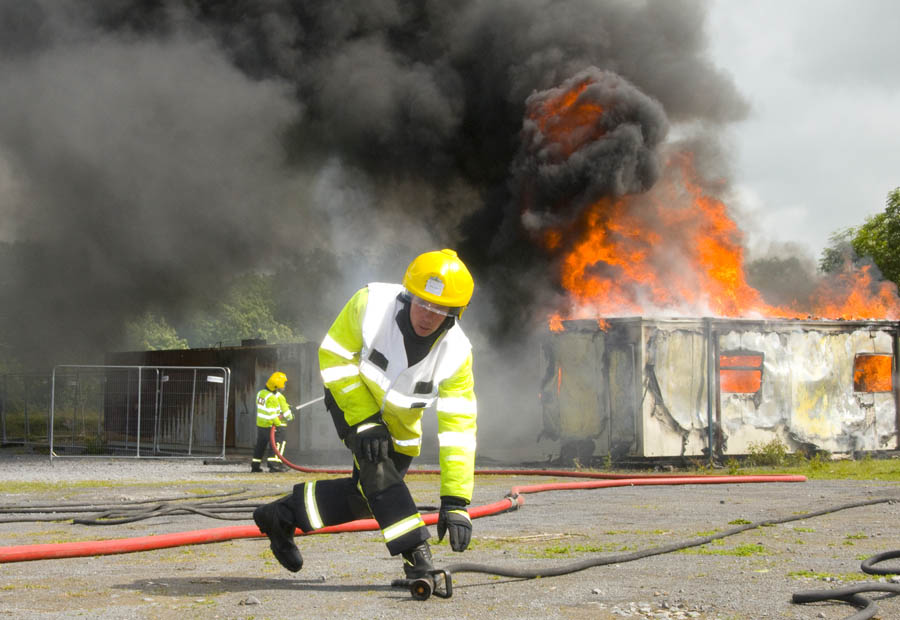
x=272, y=409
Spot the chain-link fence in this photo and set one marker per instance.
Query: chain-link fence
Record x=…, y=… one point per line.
x=25, y=409
x=139, y=411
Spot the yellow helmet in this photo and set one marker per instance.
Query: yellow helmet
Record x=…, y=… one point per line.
x=276, y=381
x=440, y=278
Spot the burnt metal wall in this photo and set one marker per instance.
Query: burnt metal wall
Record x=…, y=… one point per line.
x=641, y=387
x=310, y=437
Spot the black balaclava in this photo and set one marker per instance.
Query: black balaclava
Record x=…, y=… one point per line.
x=417, y=347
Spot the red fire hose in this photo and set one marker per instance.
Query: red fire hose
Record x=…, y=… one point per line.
x=513, y=500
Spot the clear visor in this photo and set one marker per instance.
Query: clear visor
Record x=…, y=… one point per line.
x=433, y=307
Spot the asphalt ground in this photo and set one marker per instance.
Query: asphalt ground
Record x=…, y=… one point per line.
x=750, y=575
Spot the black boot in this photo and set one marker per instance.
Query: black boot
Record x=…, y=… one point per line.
x=275, y=466
x=274, y=521
x=255, y=468
x=417, y=561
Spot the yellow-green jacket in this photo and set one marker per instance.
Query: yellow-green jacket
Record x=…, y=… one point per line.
x=363, y=363
x=268, y=407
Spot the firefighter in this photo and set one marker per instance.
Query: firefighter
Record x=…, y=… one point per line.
x=272, y=409
x=393, y=351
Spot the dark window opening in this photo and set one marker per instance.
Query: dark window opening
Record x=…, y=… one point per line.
x=873, y=372
x=740, y=372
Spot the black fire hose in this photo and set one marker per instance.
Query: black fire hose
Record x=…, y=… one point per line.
x=421, y=589
x=851, y=594
x=555, y=571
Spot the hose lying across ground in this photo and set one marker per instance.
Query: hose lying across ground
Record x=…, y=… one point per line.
x=513, y=500
x=238, y=508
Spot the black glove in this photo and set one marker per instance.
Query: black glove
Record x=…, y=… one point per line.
x=373, y=439
x=455, y=518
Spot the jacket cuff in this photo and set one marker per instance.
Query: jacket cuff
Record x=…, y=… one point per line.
x=450, y=502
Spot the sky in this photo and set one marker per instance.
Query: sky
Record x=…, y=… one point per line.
x=820, y=148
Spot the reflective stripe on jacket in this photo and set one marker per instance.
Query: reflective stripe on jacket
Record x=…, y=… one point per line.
x=363, y=363
x=268, y=406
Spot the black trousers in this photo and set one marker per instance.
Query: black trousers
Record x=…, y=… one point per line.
x=263, y=447
x=372, y=490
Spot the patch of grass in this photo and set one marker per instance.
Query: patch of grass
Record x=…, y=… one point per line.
x=559, y=551
x=40, y=487
x=773, y=457
x=856, y=536
x=804, y=529
x=477, y=543
x=596, y=548
x=808, y=574
x=24, y=586
x=555, y=551
x=740, y=522
x=750, y=549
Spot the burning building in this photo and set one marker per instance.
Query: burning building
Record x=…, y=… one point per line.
x=817, y=373
x=641, y=387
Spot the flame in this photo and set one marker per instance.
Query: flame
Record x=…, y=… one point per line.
x=672, y=250
x=740, y=381
x=555, y=323
x=568, y=121
x=873, y=373
x=740, y=373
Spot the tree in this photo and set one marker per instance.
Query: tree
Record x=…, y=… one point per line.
x=877, y=239
x=151, y=332
x=783, y=281
x=248, y=311
x=839, y=251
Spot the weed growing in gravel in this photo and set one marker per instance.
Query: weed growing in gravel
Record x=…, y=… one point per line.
x=548, y=552
x=747, y=550
x=808, y=574
x=65, y=485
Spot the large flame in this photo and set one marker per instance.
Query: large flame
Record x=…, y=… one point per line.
x=672, y=250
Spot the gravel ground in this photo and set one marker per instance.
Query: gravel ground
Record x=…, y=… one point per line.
x=751, y=575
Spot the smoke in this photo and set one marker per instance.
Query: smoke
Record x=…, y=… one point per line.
x=150, y=150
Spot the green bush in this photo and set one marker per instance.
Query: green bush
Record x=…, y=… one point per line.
x=773, y=453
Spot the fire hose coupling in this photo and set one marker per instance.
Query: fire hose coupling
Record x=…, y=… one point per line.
x=421, y=589
x=513, y=500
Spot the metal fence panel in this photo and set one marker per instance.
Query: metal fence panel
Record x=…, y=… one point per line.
x=139, y=411
x=25, y=409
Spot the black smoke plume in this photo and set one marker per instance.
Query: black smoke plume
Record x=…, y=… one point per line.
x=151, y=149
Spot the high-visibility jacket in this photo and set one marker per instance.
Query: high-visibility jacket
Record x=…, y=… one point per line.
x=268, y=407
x=363, y=363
